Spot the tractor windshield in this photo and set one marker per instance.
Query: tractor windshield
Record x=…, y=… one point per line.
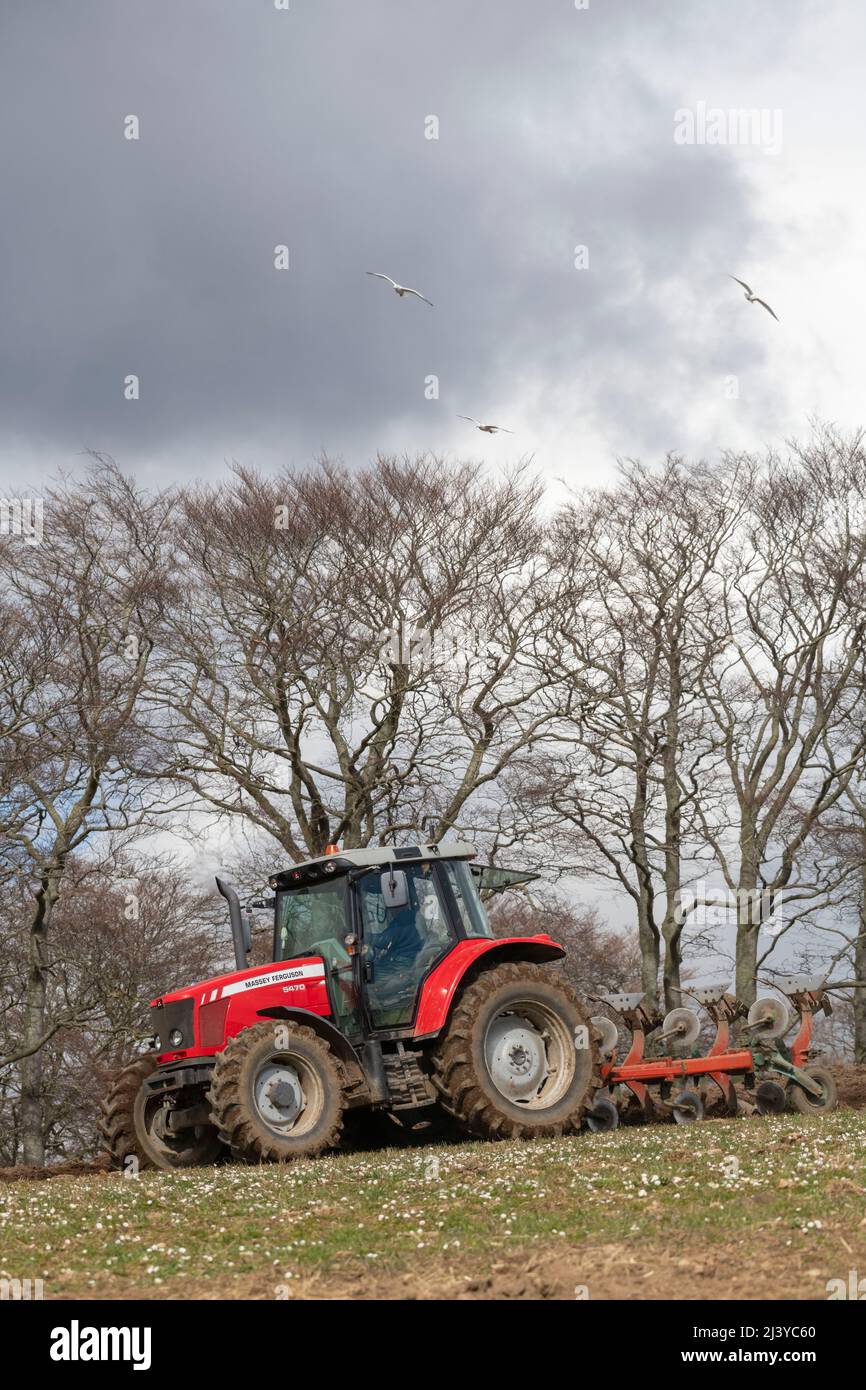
x=311, y=921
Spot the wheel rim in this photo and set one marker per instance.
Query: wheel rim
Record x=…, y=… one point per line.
x=529, y=1053
x=288, y=1095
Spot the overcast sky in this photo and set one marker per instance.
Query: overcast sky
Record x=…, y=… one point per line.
x=261, y=127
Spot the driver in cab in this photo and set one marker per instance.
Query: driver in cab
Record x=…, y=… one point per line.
x=400, y=942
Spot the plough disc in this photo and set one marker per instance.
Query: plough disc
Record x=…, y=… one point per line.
x=770, y=1098
x=603, y=1116
x=681, y=1026
x=769, y=1018
x=687, y=1107
x=608, y=1031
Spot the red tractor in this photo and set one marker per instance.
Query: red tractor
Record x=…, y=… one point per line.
x=387, y=991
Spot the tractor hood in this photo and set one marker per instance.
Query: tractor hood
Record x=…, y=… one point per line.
x=196, y=1020
x=237, y=981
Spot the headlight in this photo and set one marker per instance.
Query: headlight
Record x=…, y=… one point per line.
x=175, y=1037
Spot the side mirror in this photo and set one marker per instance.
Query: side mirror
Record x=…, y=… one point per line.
x=394, y=888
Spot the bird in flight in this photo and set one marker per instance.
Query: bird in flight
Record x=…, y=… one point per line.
x=400, y=289
x=753, y=298
x=488, y=429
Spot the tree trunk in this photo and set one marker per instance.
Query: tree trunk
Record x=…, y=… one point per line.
x=672, y=924
x=32, y=1110
x=671, y=932
x=748, y=908
x=648, y=937
x=648, y=933
x=745, y=976
x=860, y=977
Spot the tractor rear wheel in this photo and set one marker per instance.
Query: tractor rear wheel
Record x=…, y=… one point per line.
x=518, y=1058
x=814, y=1105
x=277, y=1093
x=133, y=1124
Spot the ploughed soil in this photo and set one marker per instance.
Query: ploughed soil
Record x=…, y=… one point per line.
x=694, y=1271
x=75, y=1168
x=851, y=1080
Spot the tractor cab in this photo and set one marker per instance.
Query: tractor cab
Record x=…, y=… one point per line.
x=381, y=919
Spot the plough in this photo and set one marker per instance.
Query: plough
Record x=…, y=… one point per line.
x=644, y=1088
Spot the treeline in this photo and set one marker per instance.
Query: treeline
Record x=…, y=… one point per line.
x=656, y=686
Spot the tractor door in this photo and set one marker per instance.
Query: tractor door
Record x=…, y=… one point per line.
x=401, y=944
x=313, y=921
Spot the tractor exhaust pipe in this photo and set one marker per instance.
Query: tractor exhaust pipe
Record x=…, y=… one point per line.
x=240, y=934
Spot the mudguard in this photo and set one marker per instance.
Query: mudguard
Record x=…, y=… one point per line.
x=442, y=984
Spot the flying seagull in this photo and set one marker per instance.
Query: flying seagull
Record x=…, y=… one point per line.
x=488, y=429
x=400, y=289
x=753, y=298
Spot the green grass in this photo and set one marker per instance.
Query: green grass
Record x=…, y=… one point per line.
x=794, y=1183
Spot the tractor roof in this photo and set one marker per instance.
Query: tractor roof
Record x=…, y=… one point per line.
x=341, y=861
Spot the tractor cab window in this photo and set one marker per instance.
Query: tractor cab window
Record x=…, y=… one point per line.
x=402, y=944
x=311, y=921
x=463, y=885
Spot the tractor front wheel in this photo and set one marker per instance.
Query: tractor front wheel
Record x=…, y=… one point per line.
x=277, y=1093
x=518, y=1058
x=135, y=1124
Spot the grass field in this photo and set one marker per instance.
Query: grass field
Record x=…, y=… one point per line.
x=744, y=1209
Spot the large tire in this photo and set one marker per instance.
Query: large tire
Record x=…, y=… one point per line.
x=117, y=1115
x=277, y=1094
x=811, y=1105
x=130, y=1126
x=511, y=1028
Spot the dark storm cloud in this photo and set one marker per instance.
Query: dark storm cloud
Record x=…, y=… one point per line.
x=260, y=127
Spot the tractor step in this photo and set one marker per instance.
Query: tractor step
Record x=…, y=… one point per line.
x=408, y=1085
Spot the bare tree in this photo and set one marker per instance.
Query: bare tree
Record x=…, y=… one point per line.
x=355, y=652
x=833, y=910
x=87, y=599
x=626, y=638
x=788, y=627
x=600, y=958
x=124, y=930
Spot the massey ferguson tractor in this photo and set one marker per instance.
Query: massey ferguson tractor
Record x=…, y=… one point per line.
x=388, y=992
